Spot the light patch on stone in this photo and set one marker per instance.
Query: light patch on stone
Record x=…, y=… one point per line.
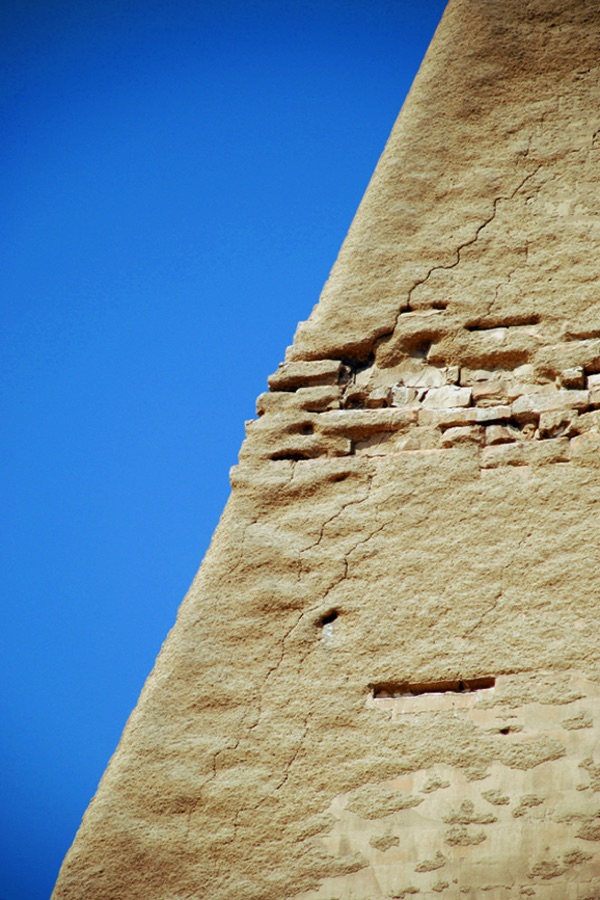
x=327, y=634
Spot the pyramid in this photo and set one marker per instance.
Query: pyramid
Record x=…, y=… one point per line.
x=385, y=679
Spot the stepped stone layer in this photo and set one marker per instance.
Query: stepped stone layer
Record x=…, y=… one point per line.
x=385, y=679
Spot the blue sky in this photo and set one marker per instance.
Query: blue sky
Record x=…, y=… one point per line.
x=176, y=179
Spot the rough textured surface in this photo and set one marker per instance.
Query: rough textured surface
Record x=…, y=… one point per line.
x=385, y=679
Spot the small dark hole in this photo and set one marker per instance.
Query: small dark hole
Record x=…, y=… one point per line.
x=340, y=477
x=328, y=618
x=420, y=351
x=359, y=365
x=308, y=429
x=505, y=730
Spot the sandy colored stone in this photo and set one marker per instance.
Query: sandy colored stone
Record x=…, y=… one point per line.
x=450, y=396
x=461, y=416
x=294, y=375
x=471, y=434
x=358, y=552
x=501, y=434
x=533, y=405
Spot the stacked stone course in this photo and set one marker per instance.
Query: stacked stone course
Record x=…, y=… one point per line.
x=546, y=410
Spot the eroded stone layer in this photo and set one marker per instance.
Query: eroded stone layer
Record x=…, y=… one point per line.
x=385, y=679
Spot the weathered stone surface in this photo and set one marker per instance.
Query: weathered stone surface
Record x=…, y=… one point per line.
x=501, y=434
x=315, y=399
x=559, y=424
x=531, y=406
x=385, y=679
x=573, y=378
x=291, y=376
x=450, y=396
x=470, y=416
x=471, y=434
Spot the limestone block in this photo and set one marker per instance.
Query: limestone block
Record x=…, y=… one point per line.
x=470, y=377
x=593, y=382
x=488, y=349
x=529, y=407
x=404, y=396
x=492, y=393
x=419, y=375
x=420, y=439
x=534, y=453
x=277, y=446
x=296, y=435
x=471, y=434
x=315, y=399
x=573, y=378
x=589, y=421
x=355, y=396
x=378, y=397
x=503, y=455
x=293, y=375
x=448, y=396
x=360, y=424
x=505, y=388
x=462, y=416
x=535, y=387
x=558, y=423
x=555, y=358
x=585, y=328
x=595, y=398
x=501, y=434
x=524, y=374
x=544, y=453
x=585, y=449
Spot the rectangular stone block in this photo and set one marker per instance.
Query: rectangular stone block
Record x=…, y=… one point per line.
x=503, y=455
x=359, y=424
x=501, y=434
x=470, y=434
x=573, y=378
x=447, y=396
x=593, y=382
x=293, y=375
x=536, y=453
x=473, y=415
x=558, y=423
x=314, y=399
x=491, y=393
x=595, y=398
x=531, y=406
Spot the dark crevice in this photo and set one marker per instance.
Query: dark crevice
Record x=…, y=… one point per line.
x=493, y=322
x=390, y=689
x=359, y=365
x=328, y=618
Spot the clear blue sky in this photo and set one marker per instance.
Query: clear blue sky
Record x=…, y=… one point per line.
x=176, y=178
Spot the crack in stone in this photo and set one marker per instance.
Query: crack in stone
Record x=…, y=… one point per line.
x=473, y=240
x=292, y=761
x=336, y=515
